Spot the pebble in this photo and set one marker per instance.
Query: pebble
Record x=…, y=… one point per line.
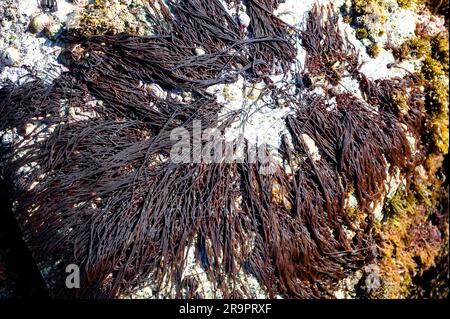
x=244, y=19
x=187, y=97
x=199, y=52
x=6, y=24
x=52, y=30
x=232, y=92
x=156, y=90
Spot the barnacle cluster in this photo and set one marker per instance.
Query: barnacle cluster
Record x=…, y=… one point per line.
x=369, y=18
x=112, y=17
x=369, y=15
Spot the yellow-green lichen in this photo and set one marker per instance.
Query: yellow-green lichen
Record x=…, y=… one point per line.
x=414, y=47
x=408, y=242
x=433, y=52
x=405, y=4
x=435, y=74
x=361, y=33
x=347, y=19
x=412, y=238
x=359, y=6
x=437, y=97
x=373, y=50
x=440, y=134
x=402, y=52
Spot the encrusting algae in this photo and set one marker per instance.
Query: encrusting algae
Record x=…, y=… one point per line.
x=414, y=235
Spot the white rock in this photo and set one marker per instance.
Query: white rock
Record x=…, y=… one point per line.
x=176, y=97
x=312, y=147
x=11, y=56
x=187, y=97
x=72, y=21
x=289, y=18
x=244, y=19
x=232, y=92
x=29, y=128
x=8, y=136
x=199, y=51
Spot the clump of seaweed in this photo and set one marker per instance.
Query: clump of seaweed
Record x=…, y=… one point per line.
x=433, y=52
x=413, y=236
x=438, y=7
x=329, y=54
x=120, y=209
